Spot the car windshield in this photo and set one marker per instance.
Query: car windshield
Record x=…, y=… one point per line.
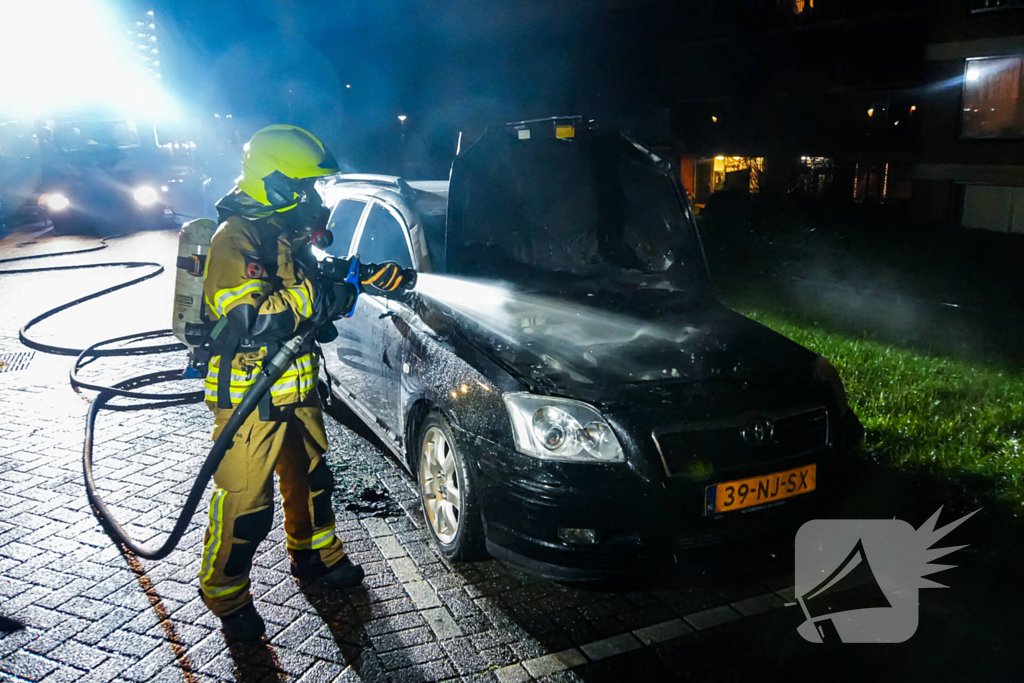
x=588, y=207
x=87, y=135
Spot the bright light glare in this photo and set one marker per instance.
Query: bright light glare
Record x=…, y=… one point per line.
x=57, y=202
x=146, y=196
x=79, y=58
x=973, y=74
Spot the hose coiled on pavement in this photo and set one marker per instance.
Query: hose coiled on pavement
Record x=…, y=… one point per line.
x=128, y=388
x=272, y=371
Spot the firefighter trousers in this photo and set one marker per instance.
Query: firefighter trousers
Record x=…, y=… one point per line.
x=242, y=508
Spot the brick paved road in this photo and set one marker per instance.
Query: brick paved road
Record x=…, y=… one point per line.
x=93, y=614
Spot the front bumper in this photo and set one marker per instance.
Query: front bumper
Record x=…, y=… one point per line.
x=123, y=215
x=642, y=517
x=108, y=206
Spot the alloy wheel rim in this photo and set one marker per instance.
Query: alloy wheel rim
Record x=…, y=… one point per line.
x=439, y=486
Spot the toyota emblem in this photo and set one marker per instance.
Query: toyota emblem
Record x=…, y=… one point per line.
x=758, y=433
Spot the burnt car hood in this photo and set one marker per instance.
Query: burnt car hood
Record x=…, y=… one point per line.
x=614, y=338
x=574, y=263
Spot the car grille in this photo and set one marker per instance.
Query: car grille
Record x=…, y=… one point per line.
x=723, y=444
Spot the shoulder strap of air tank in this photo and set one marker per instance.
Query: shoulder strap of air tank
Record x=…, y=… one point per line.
x=265, y=400
x=227, y=358
x=267, y=247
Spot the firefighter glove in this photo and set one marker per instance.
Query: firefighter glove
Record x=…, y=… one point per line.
x=387, y=279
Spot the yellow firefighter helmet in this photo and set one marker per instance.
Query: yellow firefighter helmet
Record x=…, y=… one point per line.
x=276, y=161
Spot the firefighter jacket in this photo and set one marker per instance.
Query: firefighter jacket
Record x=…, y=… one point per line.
x=252, y=280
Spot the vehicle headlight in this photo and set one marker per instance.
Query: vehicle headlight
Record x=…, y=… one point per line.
x=561, y=429
x=54, y=202
x=827, y=372
x=146, y=196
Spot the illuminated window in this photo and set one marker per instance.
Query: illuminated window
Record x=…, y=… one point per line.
x=737, y=173
x=993, y=102
x=801, y=6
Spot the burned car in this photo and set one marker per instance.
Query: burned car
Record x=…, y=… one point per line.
x=563, y=386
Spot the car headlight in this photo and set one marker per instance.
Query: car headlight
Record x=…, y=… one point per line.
x=828, y=373
x=146, y=196
x=561, y=429
x=54, y=202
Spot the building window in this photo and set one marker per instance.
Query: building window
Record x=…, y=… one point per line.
x=813, y=177
x=990, y=207
x=881, y=182
x=991, y=5
x=801, y=6
x=703, y=177
x=741, y=174
x=993, y=103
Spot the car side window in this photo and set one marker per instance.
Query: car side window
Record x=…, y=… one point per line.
x=383, y=239
x=343, y=222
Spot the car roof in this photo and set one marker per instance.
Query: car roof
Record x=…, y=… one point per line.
x=431, y=196
x=428, y=197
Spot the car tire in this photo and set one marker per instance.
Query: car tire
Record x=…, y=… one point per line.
x=448, y=491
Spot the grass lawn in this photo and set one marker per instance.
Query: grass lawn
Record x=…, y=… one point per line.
x=958, y=420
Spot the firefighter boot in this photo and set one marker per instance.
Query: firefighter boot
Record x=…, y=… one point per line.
x=345, y=574
x=244, y=625
x=342, y=574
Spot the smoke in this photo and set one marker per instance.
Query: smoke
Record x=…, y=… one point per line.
x=508, y=312
x=347, y=70
x=863, y=272
x=579, y=339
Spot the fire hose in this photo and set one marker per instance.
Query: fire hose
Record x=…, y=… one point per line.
x=129, y=388
x=272, y=371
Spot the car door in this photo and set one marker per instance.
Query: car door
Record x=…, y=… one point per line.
x=349, y=358
x=382, y=237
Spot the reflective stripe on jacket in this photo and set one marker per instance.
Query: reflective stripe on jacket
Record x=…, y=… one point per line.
x=292, y=387
x=242, y=282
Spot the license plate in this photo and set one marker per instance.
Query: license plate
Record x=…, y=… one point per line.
x=745, y=493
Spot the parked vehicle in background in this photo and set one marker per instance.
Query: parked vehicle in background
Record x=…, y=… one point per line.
x=565, y=389
x=94, y=174
x=102, y=175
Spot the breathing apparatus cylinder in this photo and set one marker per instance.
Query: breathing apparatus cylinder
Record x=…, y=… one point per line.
x=193, y=248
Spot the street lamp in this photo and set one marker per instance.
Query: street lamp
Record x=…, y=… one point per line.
x=402, y=118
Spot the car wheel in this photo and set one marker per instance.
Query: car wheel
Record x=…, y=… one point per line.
x=448, y=492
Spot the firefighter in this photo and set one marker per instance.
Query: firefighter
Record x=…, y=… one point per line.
x=254, y=281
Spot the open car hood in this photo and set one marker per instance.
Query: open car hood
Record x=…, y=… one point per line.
x=574, y=262
x=563, y=196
